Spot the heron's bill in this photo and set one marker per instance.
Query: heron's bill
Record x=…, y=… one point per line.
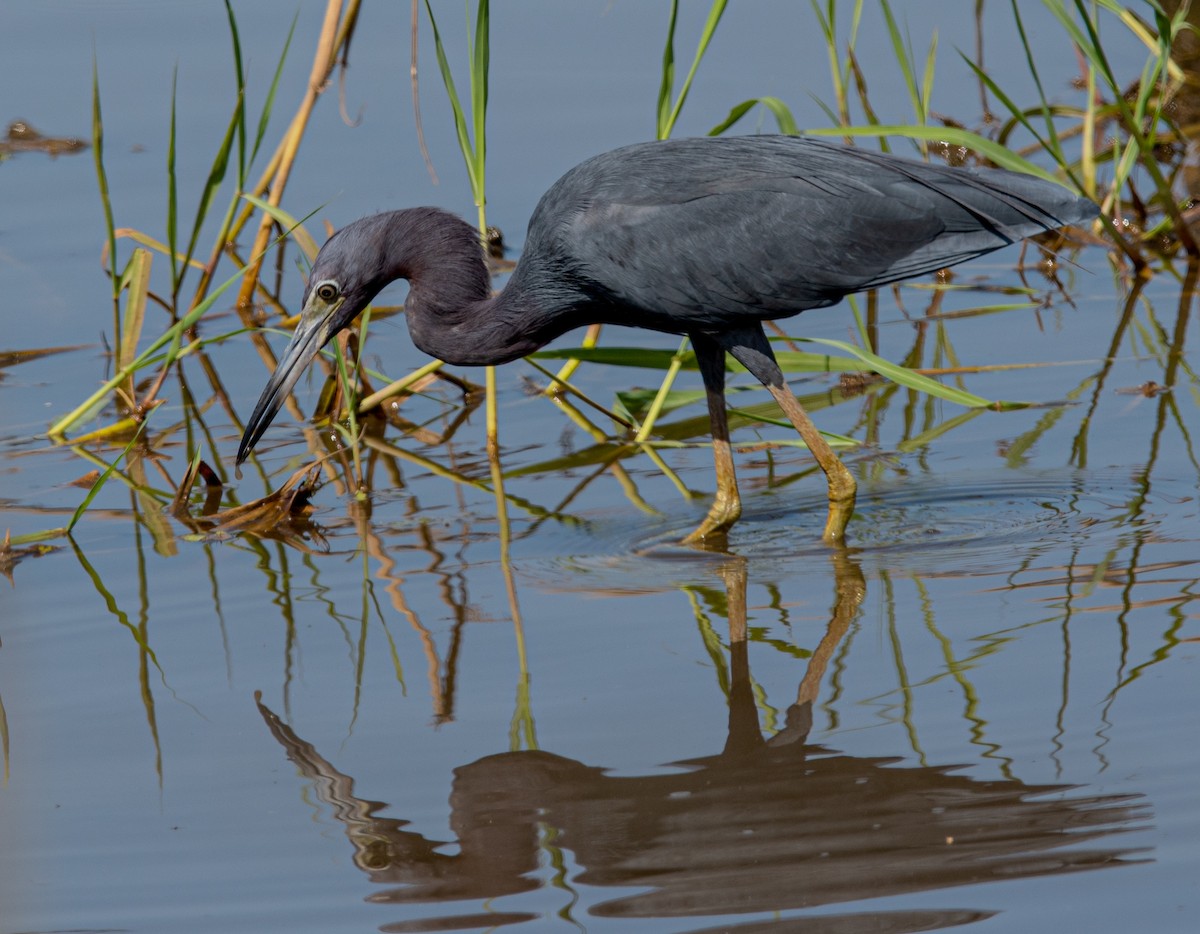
x=310, y=336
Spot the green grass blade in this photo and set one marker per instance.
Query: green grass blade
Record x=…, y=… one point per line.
x=927, y=79
x=912, y=380
x=800, y=361
x=1051, y=133
x=216, y=175
x=667, y=85
x=927, y=437
x=480, y=63
x=637, y=402
x=839, y=71
x=460, y=120
x=172, y=337
x=715, y=12
x=269, y=103
x=1005, y=158
x=1018, y=113
x=290, y=224
x=1132, y=117
x=240, y=77
x=835, y=440
x=102, y=479
x=903, y=59
x=825, y=109
x=790, y=361
x=647, y=425
x=617, y=356
x=781, y=111
x=137, y=277
x=826, y=22
x=173, y=196
x=102, y=184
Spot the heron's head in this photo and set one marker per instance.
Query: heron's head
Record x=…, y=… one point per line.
x=350, y=270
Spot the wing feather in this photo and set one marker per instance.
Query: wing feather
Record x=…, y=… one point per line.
x=705, y=232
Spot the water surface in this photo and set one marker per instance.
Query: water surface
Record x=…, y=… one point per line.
x=982, y=713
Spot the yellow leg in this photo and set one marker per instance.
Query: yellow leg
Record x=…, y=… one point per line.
x=842, y=488
x=750, y=347
x=727, y=505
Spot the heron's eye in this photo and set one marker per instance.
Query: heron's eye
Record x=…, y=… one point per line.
x=327, y=292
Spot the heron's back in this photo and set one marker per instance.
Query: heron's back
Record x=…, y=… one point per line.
x=699, y=234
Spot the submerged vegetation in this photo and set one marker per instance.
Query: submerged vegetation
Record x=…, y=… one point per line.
x=1123, y=143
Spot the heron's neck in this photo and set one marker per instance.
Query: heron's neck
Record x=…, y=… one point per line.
x=451, y=312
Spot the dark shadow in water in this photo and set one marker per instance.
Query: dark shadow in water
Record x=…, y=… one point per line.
x=767, y=824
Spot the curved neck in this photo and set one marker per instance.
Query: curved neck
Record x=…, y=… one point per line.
x=451, y=312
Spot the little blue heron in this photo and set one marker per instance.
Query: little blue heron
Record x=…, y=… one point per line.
x=704, y=237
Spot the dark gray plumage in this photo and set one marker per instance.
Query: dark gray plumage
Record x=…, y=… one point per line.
x=704, y=237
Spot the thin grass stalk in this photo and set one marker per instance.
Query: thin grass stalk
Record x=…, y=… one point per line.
x=591, y=335
x=783, y=116
x=171, y=336
x=839, y=71
x=667, y=116
x=667, y=84
x=302, y=113
x=240, y=84
x=474, y=152
x=347, y=381
x=860, y=323
x=393, y=389
x=480, y=63
x=106, y=202
x=4, y=740
x=173, y=196
x=414, y=84
x=137, y=284
x=323, y=62
x=904, y=59
x=668, y=381
x=565, y=386
x=985, y=108
x=828, y=25
x=1087, y=163
x=225, y=236
x=491, y=421
x=98, y=485
x=522, y=725
x=466, y=147
x=216, y=175
x=1000, y=155
x=666, y=124
x=864, y=101
x=269, y=102
x=927, y=82
x=1051, y=141
x=1088, y=41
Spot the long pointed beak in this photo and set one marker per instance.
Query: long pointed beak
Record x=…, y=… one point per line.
x=314, y=330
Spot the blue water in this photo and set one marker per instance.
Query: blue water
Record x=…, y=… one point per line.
x=983, y=713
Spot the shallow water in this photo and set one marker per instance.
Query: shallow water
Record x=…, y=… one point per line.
x=982, y=713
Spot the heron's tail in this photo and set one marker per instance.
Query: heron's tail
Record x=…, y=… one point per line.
x=982, y=209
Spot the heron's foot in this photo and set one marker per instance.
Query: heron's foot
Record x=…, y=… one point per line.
x=725, y=511
x=842, y=494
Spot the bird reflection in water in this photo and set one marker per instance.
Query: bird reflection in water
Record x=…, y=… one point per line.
x=767, y=824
